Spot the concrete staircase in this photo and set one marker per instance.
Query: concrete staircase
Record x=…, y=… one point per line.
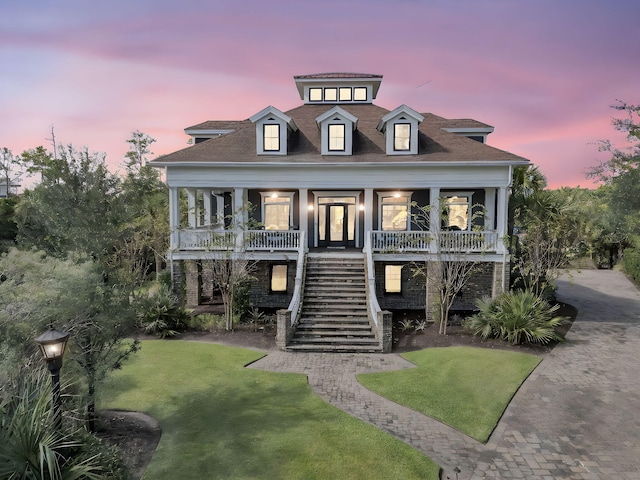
x=334, y=315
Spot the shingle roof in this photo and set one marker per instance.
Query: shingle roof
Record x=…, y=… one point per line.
x=435, y=144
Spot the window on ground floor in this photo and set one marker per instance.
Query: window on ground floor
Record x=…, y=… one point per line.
x=279, y=278
x=393, y=278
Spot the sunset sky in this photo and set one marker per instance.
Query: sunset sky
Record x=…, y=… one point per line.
x=544, y=73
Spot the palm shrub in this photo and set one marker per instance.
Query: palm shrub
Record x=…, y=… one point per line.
x=33, y=448
x=162, y=314
x=517, y=317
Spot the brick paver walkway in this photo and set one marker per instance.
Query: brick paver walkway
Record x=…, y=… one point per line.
x=577, y=416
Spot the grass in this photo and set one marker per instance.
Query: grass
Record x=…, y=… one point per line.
x=466, y=388
x=220, y=420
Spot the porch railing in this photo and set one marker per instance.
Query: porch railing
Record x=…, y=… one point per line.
x=418, y=241
x=207, y=239
x=272, y=239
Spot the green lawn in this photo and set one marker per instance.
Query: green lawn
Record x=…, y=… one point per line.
x=466, y=388
x=220, y=420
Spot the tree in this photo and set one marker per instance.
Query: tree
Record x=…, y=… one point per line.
x=75, y=208
x=620, y=175
x=10, y=171
x=230, y=266
x=146, y=200
x=446, y=271
x=38, y=289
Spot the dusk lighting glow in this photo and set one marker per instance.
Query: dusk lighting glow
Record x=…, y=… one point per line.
x=543, y=73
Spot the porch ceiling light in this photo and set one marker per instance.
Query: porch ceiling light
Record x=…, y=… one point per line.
x=396, y=195
x=274, y=195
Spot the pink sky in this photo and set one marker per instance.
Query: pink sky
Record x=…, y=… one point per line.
x=543, y=73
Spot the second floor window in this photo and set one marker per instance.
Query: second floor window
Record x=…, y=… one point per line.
x=271, y=138
x=401, y=136
x=336, y=138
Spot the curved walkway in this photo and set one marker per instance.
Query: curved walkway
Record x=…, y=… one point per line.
x=576, y=417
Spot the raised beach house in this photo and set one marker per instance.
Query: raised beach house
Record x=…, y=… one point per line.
x=324, y=198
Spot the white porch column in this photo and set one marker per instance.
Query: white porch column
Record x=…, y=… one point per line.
x=303, y=214
x=174, y=217
x=206, y=194
x=240, y=214
x=191, y=202
x=502, y=213
x=368, y=212
x=489, y=208
x=434, y=216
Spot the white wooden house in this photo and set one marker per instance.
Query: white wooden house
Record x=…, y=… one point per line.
x=333, y=185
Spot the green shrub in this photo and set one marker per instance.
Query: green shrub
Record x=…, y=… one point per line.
x=631, y=263
x=517, y=317
x=162, y=314
x=205, y=321
x=34, y=448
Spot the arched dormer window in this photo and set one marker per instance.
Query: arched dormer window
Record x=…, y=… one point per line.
x=336, y=129
x=400, y=127
x=272, y=131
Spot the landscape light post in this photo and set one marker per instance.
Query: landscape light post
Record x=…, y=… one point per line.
x=52, y=345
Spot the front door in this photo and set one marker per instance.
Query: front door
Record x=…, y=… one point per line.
x=333, y=223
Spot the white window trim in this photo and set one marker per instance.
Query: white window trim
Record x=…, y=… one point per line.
x=284, y=195
x=317, y=194
x=334, y=116
x=402, y=114
x=272, y=116
x=392, y=194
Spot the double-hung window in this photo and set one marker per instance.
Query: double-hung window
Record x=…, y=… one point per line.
x=336, y=138
x=393, y=278
x=401, y=136
x=279, y=278
x=271, y=137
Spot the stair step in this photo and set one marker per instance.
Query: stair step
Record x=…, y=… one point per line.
x=334, y=348
x=323, y=334
x=334, y=313
x=359, y=327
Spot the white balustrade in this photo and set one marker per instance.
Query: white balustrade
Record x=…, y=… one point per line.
x=424, y=241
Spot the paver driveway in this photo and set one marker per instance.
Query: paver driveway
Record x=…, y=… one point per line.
x=576, y=417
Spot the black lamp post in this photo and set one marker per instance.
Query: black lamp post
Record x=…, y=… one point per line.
x=52, y=344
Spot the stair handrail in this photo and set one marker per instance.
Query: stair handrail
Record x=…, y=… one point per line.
x=372, y=299
x=295, y=306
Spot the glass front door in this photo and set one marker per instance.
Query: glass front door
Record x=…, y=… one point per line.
x=333, y=223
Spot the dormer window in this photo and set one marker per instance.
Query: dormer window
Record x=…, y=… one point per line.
x=271, y=137
x=336, y=137
x=272, y=131
x=400, y=127
x=336, y=129
x=402, y=136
